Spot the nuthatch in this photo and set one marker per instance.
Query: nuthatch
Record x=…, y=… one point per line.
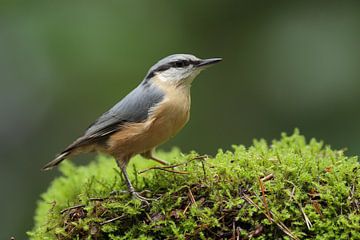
x=148, y=116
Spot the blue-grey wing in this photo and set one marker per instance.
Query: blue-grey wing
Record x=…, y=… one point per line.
x=131, y=109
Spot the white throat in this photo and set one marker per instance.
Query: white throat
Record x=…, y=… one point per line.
x=178, y=76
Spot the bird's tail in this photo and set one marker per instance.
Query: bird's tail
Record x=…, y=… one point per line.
x=59, y=158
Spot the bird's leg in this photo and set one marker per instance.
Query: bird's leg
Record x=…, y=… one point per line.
x=130, y=187
x=150, y=155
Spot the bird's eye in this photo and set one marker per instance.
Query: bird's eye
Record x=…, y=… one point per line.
x=179, y=64
x=182, y=63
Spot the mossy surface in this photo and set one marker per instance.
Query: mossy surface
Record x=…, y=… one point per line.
x=289, y=189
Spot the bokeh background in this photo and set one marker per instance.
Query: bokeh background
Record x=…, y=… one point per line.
x=286, y=64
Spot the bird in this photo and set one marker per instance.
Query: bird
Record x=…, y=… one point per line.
x=152, y=113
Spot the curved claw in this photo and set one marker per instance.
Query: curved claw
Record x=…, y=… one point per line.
x=116, y=192
x=145, y=200
x=135, y=195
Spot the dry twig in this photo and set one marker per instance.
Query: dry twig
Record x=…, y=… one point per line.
x=281, y=225
x=112, y=220
x=73, y=207
x=166, y=168
x=191, y=196
x=267, y=178
x=307, y=220
x=263, y=195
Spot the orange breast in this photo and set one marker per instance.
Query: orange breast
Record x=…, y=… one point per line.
x=165, y=121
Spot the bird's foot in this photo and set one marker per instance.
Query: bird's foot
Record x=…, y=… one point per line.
x=116, y=192
x=136, y=195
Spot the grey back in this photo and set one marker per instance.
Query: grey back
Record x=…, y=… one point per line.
x=133, y=108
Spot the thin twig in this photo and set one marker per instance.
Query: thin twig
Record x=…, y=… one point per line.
x=191, y=196
x=263, y=195
x=281, y=225
x=98, y=198
x=292, y=193
x=112, y=220
x=267, y=178
x=163, y=169
x=186, y=208
x=192, y=200
x=307, y=220
x=70, y=208
x=201, y=157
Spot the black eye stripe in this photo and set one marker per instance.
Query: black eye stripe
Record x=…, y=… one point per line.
x=181, y=63
x=175, y=64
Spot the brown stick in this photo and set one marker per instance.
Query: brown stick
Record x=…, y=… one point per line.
x=98, y=198
x=191, y=196
x=267, y=178
x=73, y=207
x=112, y=220
x=307, y=220
x=281, y=225
x=163, y=169
x=263, y=195
x=186, y=208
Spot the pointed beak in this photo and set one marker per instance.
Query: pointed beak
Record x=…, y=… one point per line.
x=208, y=62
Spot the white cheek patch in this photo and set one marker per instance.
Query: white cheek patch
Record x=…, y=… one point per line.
x=178, y=74
x=171, y=74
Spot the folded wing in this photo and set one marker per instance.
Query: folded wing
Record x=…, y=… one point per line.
x=133, y=108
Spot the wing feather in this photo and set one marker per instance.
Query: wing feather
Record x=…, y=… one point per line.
x=131, y=109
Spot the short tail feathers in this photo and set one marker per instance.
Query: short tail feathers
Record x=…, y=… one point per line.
x=56, y=161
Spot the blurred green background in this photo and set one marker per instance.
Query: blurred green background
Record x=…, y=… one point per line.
x=286, y=64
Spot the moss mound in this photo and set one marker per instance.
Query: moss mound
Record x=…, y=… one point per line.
x=288, y=189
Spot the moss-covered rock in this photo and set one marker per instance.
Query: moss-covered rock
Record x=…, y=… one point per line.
x=288, y=189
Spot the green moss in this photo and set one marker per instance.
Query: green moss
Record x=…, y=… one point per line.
x=312, y=192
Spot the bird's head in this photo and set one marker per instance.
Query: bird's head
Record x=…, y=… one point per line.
x=179, y=69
